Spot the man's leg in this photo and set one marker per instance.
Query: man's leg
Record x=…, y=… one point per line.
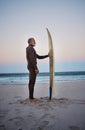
x=32, y=79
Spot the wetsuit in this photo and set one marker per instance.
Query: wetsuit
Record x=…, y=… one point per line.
x=31, y=57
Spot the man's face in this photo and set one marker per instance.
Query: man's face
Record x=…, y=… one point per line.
x=33, y=42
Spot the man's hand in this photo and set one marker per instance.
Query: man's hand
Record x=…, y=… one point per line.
x=36, y=71
x=49, y=54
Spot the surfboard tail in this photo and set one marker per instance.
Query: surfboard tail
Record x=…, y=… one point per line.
x=50, y=93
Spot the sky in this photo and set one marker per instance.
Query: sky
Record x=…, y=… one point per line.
x=22, y=19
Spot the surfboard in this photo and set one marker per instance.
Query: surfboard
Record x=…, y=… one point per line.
x=51, y=63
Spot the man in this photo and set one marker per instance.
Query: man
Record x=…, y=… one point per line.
x=31, y=57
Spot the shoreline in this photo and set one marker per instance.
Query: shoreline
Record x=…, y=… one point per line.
x=55, y=82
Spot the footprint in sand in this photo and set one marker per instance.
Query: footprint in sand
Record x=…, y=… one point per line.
x=2, y=127
x=17, y=120
x=41, y=125
x=74, y=128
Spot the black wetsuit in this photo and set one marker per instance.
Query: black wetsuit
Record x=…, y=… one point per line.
x=31, y=57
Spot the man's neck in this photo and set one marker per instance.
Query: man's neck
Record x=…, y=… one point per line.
x=31, y=45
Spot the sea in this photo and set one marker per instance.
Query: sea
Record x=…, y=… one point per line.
x=23, y=78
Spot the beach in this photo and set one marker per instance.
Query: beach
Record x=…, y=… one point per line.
x=66, y=110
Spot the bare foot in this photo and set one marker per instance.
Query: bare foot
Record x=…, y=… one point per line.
x=33, y=100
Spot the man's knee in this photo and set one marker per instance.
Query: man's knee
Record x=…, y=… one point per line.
x=31, y=82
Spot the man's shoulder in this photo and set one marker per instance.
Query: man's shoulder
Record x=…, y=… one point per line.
x=30, y=48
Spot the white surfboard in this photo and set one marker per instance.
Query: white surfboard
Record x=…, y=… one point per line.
x=51, y=63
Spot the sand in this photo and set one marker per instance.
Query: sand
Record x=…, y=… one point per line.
x=66, y=111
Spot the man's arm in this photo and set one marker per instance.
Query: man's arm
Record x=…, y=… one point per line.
x=42, y=57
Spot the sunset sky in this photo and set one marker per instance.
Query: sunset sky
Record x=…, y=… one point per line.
x=21, y=19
